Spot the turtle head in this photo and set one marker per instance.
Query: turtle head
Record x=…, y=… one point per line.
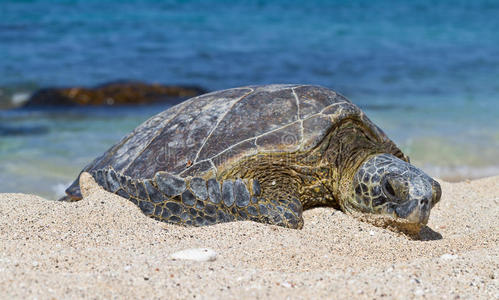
x=386, y=185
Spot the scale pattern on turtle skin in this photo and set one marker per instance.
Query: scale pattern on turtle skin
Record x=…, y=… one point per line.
x=197, y=202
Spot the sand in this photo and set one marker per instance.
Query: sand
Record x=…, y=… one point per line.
x=104, y=247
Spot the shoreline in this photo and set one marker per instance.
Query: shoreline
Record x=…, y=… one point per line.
x=103, y=246
x=462, y=178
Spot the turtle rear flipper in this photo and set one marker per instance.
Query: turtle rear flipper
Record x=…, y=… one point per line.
x=67, y=198
x=73, y=192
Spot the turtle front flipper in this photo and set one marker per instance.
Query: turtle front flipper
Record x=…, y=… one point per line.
x=197, y=202
x=245, y=200
x=164, y=197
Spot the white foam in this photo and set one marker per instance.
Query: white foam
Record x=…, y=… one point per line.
x=19, y=98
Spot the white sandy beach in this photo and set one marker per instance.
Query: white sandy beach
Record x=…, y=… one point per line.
x=104, y=247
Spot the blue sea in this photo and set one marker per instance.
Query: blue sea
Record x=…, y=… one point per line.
x=427, y=72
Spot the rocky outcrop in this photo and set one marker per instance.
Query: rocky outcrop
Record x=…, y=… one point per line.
x=112, y=94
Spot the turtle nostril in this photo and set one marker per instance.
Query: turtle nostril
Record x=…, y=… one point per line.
x=423, y=202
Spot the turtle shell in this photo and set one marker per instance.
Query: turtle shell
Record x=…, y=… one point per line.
x=207, y=134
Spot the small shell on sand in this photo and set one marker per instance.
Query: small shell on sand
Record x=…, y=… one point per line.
x=196, y=254
x=448, y=256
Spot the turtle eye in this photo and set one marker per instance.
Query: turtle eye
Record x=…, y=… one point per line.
x=389, y=189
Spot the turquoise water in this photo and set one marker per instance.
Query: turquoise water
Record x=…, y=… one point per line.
x=427, y=72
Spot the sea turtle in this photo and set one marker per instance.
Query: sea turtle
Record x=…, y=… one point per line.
x=262, y=153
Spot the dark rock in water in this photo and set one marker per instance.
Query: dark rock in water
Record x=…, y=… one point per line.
x=111, y=94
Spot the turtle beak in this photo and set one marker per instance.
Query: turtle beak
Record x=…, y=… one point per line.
x=417, y=208
x=437, y=193
x=415, y=211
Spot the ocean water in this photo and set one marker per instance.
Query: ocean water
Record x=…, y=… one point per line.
x=427, y=72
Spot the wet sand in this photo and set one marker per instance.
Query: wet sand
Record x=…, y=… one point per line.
x=103, y=247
